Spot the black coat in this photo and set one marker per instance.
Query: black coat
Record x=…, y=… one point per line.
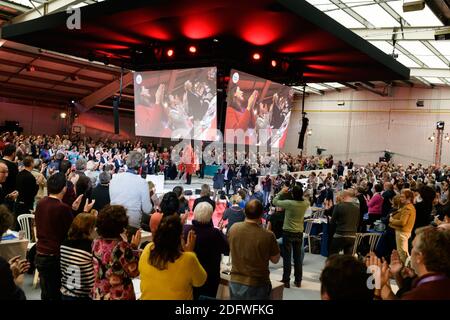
x=101, y=196
x=27, y=187
x=209, y=247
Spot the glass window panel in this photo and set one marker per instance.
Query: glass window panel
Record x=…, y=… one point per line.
x=316, y=86
x=443, y=47
x=322, y=4
x=345, y=19
x=423, y=54
x=434, y=80
x=384, y=46
x=25, y=3
x=334, y=84
x=377, y=16
x=407, y=62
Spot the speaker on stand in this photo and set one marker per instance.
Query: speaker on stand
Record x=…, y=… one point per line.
x=116, y=103
x=301, y=139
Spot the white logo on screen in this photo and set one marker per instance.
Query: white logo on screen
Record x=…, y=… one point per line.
x=138, y=79
x=235, y=77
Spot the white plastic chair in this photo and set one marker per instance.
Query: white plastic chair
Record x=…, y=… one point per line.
x=26, y=223
x=373, y=241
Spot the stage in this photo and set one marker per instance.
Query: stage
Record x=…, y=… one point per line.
x=196, y=184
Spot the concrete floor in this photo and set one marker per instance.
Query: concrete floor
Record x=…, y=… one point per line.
x=310, y=289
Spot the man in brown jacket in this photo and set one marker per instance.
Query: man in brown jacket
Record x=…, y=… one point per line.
x=403, y=223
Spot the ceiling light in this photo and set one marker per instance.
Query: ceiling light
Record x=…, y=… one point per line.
x=274, y=63
x=170, y=53
x=192, y=49
x=63, y=115
x=256, y=56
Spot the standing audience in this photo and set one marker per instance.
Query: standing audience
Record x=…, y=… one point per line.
x=292, y=233
x=210, y=245
x=168, y=269
x=115, y=260
x=77, y=269
x=252, y=247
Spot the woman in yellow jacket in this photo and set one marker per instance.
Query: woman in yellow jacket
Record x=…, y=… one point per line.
x=403, y=222
x=168, y=271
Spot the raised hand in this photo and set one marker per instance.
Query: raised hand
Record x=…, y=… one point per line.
x=18, y=266
x=73, y=177
x=285, y=190
x=159, y=94
x=252, y=100
x=190, y=244
x=136, y=239
x=77, y=202
x=13, y=195
x=88, y=206
x=396, y=264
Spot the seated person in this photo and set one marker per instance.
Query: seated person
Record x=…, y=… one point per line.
x=10, y=271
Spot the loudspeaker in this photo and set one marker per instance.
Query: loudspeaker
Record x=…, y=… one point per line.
x=188, y=192
x=198, y=191
x=116, y=103
x=301, y=139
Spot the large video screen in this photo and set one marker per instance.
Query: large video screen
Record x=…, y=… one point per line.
x=176, y=103
x=259, y=107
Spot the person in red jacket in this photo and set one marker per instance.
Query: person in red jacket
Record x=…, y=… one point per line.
x=190, y=162
x=240, y=115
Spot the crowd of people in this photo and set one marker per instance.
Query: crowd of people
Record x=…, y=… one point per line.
x=90, y=204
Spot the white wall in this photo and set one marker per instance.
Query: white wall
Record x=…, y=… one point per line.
x=368, y=124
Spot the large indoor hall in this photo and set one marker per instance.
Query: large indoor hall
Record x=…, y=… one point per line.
x=269, y=152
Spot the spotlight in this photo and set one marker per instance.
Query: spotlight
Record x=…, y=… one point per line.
x=63, y=115
x=192, y=49
x=72, y=101
x=309, y=132
x=170, y=53
x=447, y=138
x=274, y=63
x=31, y=68
x=431, y=138
x=256, y=56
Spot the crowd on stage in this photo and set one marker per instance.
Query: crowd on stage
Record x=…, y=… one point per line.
x=91, y=205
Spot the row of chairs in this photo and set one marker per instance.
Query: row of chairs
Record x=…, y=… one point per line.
x=372, y=238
